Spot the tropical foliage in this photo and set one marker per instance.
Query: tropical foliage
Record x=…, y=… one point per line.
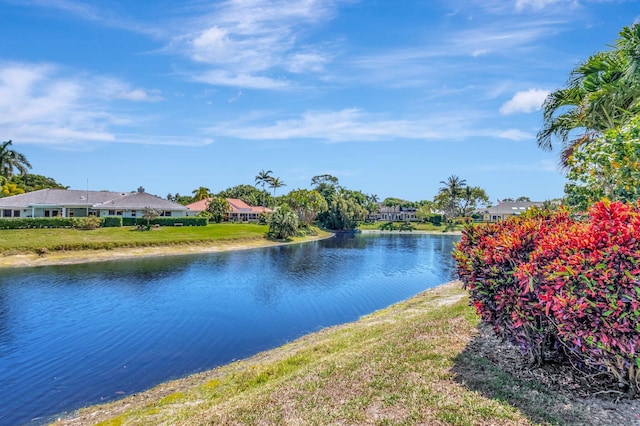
x=346, y=208
x=602, y=93
x=455, y=198
x=9, y=189
x=283, y=223
x=276, y=183
x=607, y=168
x=202, y=193
x=32, y=182
x=562, y=289
x=219, y=208
x=263, y=178
x=11, y=160
x=180, y=199
x=307, y=204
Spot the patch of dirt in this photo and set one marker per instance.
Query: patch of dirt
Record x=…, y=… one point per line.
x=571, y=397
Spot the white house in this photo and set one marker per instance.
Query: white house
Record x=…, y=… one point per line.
x=506, y=209
x=79, y=203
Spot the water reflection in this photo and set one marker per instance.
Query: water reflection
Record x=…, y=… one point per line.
x=81, y=334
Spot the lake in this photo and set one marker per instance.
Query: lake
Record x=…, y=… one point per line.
x=77, y=335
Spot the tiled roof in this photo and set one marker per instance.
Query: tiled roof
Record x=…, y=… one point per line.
x=138, y=200
x=56, y=197
x=236, y=206
x=94, y=199
x=199, y=206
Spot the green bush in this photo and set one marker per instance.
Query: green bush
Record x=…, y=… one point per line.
x=388, y=226
x=112, y=222
x=435, y=219
x=166, y=221
x=88, y=222
x=38, y=222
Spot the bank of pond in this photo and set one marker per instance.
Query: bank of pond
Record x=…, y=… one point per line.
x=76, y=335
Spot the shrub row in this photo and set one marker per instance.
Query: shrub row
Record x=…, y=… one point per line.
x=166, y=221
x=562, y=288
x=109, y=221
x=44, y=222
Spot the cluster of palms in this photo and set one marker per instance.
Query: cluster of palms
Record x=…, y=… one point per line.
x=264, y=178
x=455, y=198
x=602, y=93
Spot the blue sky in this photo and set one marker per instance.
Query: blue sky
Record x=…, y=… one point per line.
x=391, y=97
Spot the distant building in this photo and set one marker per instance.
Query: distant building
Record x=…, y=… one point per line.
x=80, y=203
x=393, y=214
x=239, y=211
x=506, y=209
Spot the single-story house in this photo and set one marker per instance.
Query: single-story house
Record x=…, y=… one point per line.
x=506, y=209
x=239, y=211
x=80, y=203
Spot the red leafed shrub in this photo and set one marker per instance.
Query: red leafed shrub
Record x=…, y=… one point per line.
x=589, y=286
x=487, y=258
x=556, y=286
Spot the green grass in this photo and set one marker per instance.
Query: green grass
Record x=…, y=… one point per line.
x=406, y=364
x=418, y=227
x=16, y=241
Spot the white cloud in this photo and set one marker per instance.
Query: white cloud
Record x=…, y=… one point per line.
x=41, y=103
x=356, y=125
x=515, y=135
x=224, y=78
x=140, y=95
x=254, y=43
x=537, y=5
x=525, y=101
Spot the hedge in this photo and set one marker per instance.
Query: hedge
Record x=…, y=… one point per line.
x=112, y=222
x=166, y=221
x=561, y=288
x=38, y=222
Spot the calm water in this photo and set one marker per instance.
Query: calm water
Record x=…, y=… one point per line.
x=76, y=335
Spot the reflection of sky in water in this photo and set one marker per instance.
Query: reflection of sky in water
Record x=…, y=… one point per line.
x=75, y=335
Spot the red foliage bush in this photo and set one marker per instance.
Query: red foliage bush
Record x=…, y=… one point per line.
x=560, y=287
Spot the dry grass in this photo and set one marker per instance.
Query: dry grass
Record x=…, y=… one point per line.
x=393, y=367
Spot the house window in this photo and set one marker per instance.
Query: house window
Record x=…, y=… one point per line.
x=6, y=213
x=133, y=213
x=165, y=213
x=47, y=213
x=16, y=213
x=72, y=213
x=112, y=212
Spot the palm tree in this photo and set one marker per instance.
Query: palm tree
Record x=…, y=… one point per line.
x=201, y=193
x=276, y=183
x=450, y=194
x=602, y=93
x=10, y=160
x=263, y=178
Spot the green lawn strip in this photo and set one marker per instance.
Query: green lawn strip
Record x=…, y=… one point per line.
x=34, y=240
x=429, y=227
x=396, y=366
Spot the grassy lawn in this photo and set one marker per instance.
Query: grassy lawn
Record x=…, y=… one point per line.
x=408, y=364
x=419, y=226
x=13, y=241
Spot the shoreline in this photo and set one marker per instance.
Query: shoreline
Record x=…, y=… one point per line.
x=415, y=231
x=28, y=260
x=440, y=296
